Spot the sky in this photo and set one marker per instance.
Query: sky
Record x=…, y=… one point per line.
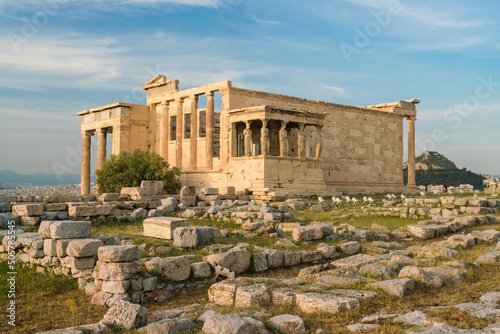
x=58, y=57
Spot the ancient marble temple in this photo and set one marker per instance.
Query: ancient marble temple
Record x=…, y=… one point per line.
x=223, y=136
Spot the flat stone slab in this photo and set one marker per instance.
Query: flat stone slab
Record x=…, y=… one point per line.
x=162, y=227
x=358, y=294
x=354, y=262
x=83, y=247
x=324, y=303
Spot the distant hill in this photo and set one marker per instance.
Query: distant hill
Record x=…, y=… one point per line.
x=9, y=177
x=434, y=168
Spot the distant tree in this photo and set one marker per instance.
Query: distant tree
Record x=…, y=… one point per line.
x=129, y=169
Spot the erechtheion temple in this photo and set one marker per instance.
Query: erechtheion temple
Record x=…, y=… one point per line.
x=259, y=141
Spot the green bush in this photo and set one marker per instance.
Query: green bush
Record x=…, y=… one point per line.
x=129, y=169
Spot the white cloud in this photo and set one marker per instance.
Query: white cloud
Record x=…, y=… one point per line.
x=337, y=91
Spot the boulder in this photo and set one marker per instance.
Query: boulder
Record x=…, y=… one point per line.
x=115, y=287
x=354, y=262
x=223, y=293
x=307, y=233
x=126, y=315
x=377, y=271
x=115, y=271
x=201, y=270
x=422, y=231
x=252, y=296
x=194, y=236
x=350, y=248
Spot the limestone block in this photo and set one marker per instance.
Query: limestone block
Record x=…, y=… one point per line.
x=307, y=233
x=365, y=235
x=422, y=231
x=237, y=260
x=5, y=207
x=139, y=213
x=310, y=256
x=193, y=236
x=217, y=323
x=415, y=318
x=480, y=310
x=126, y=315
x=354, y=262
x=252, y=226
x=329, y=252
x=288, y=324
x=447, y=274
x=488, y=258
x=29, y=239
x=324, y=303
x=115, y=287
x=169, y=326
x=108, y=197
x=149, y=284
x=283, y=297
x=486, y=236
x=175, y=268
x=100, y=298
x=56, y=207
x=68, y=229
x=200, y=270
x=291, y=258
x=115, y=271
x=27, y=210
x=50, y=247
x=434, y=252
x=30, y=221
x=91, y=210
x=83, y=247
x=162, y=227
x=81, y=263
x=251, y=296
x=44, y=229
x=418, y=274
x=396, y=287
x=259, y=262
x=118, y=253
x=362, y=327
x=350, y=248
x=169, y=201
x=274, y=258
x=223, y=293
x=377, y=271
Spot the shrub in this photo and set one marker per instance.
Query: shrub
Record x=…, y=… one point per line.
x=129, y=169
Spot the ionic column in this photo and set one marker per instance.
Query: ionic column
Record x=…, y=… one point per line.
x=301, y=141
x=85, y=184
x=179, y=133
x=411, y=152
x=101, y=147
x=164, y=130
x=194, y=132
x=210, y=129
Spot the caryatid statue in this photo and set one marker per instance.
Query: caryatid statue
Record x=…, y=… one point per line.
x=301, y=141
x=264, y=138
x=284, y=147
x=247, y=133
x=319, y=141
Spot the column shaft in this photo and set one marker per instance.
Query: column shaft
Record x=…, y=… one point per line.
x=179, y=133
x=194, y=133
x=101, y=148
x=164, y=130
x=411, y=153
x=85, y=184
x=210, y=129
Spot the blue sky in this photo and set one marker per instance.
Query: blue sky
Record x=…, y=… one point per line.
x=61, y=56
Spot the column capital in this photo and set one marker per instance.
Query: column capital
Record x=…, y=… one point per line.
x=179, y=99
x=87, y=133
x=193, y=97
x=101, y=130
x=209, y=93
x=164, y=103
x=411, y=118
